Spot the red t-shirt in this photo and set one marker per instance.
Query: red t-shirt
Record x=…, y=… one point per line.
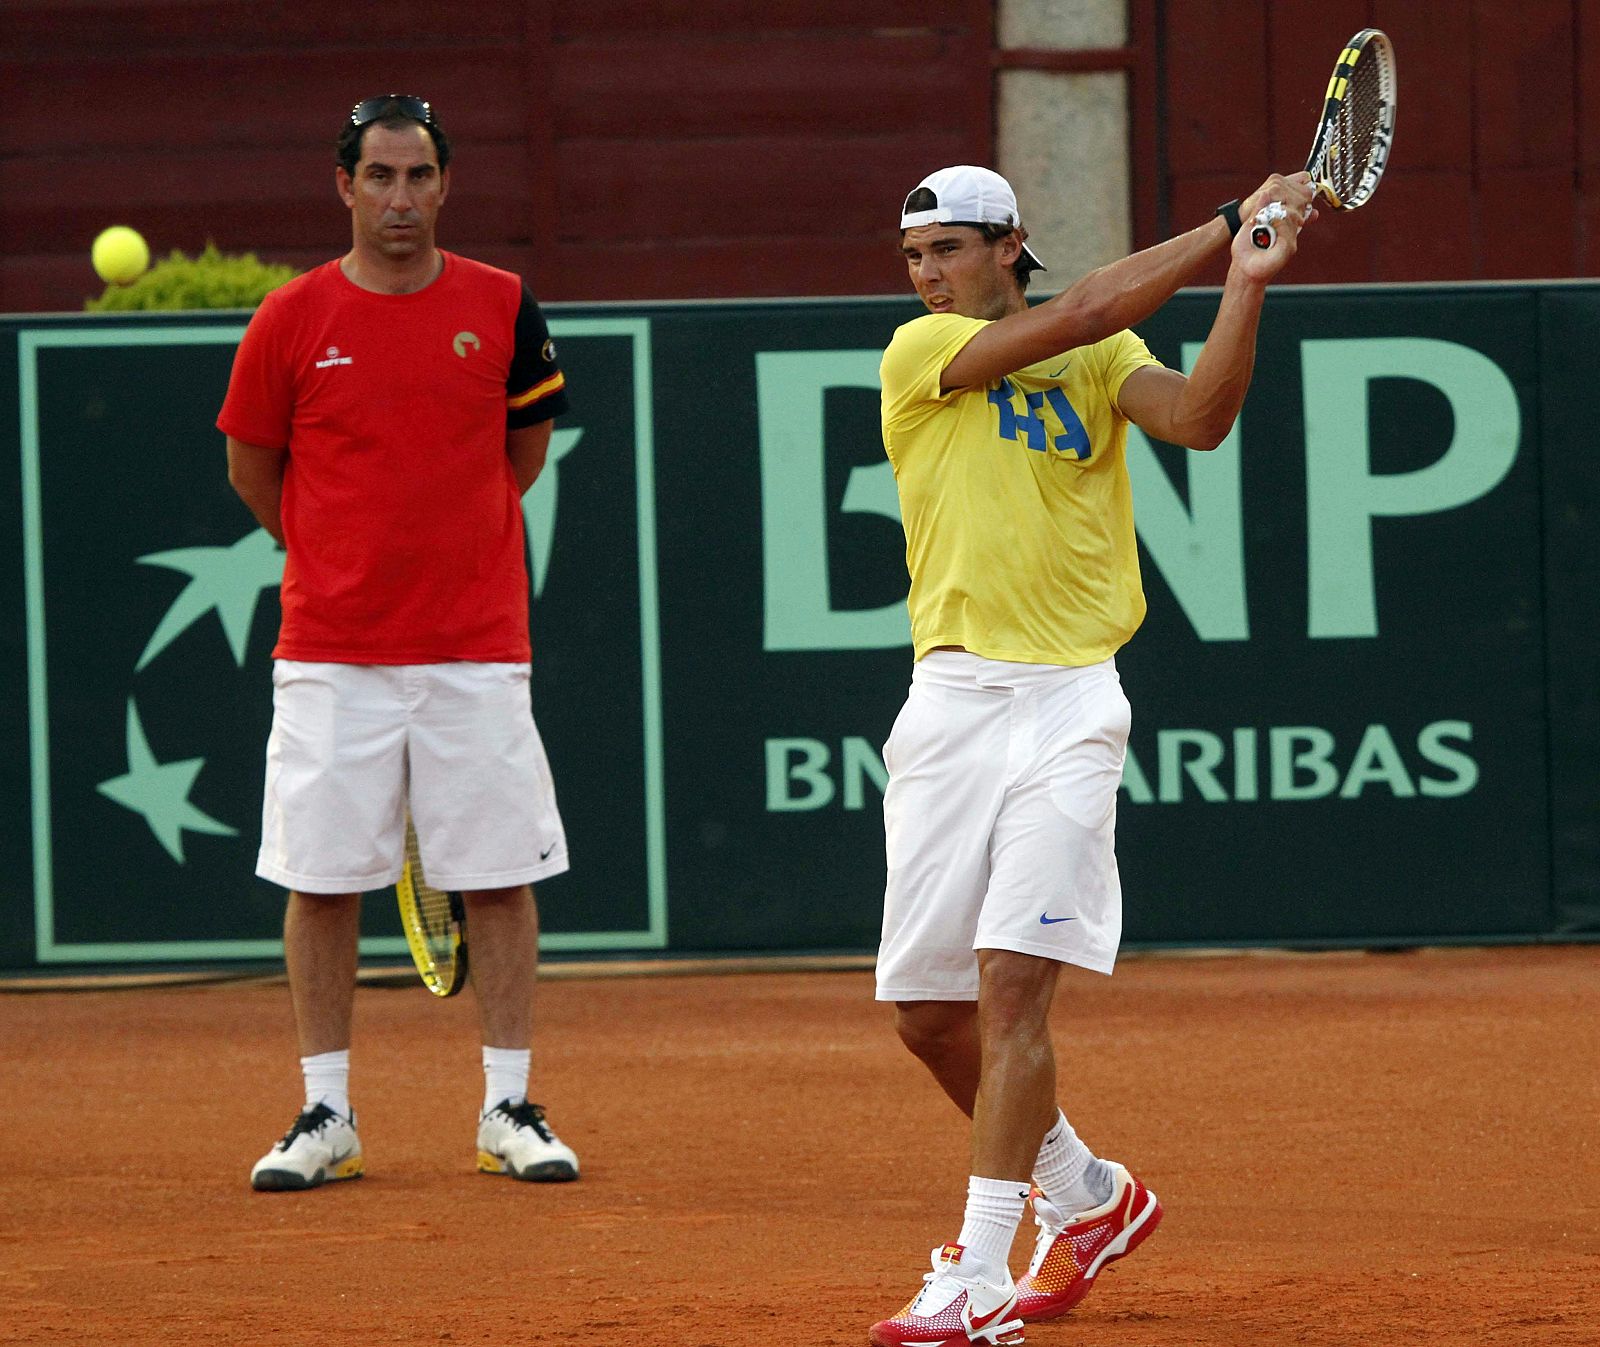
x=400, y=507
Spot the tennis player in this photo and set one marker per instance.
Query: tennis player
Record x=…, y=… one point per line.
x=386, y=412
x=1006, y=426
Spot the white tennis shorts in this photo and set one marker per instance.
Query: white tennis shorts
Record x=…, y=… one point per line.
x=352, y=744
x=1000, y=821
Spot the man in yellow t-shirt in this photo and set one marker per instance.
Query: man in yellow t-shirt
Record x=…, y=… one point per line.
x=1007, y=426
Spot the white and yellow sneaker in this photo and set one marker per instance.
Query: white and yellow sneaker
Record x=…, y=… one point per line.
x=515, y=1140
x=321, y=1146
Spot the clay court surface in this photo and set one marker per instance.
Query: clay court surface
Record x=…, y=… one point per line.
x=1351, y=1149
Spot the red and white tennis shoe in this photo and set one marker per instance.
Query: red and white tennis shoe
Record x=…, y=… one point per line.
x=954, y=1310
x=1069, y=1253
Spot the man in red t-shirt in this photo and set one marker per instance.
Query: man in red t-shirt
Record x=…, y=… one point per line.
x=386, y=412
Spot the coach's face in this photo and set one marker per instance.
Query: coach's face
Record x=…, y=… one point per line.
x=396, y=191
x=954, y=269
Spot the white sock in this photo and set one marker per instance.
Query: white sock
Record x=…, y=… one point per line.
x=505, y=1075
x=328, y=1080
x=994, y=1209
x=1067, y=1172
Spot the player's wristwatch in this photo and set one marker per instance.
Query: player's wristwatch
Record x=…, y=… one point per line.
x=1229, y=211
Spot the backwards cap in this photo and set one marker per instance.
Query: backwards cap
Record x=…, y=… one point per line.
x=965, y=195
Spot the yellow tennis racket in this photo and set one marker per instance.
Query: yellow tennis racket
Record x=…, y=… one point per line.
x=435, y=924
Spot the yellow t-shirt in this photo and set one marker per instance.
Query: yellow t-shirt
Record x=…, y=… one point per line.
x=1015, y=498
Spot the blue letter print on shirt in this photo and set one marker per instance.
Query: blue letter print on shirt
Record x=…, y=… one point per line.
x=1074, y=440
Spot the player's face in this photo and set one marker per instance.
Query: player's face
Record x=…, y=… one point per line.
x=954, y=269
x=396, y=191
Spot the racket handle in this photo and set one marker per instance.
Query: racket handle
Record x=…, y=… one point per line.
x=1262, y=234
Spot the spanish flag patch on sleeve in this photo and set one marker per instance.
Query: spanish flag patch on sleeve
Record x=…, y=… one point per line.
x=541, y=390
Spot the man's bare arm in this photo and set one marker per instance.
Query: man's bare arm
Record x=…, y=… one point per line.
x=256, y=474
x=1109, y=298
x=527, y=448
x=1198, y=412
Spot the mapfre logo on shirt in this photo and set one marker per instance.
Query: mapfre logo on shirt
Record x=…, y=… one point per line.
x=334, y=358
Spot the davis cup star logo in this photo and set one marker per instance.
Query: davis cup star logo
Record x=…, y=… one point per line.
x=225, y=580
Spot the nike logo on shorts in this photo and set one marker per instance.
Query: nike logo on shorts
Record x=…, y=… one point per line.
x=1045, y=919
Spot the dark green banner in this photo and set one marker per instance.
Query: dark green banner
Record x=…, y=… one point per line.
x=1364, y=699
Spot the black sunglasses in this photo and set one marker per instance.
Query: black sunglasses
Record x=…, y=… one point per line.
x=407, y=105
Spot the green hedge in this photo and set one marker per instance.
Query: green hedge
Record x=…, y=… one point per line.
x=213, y=280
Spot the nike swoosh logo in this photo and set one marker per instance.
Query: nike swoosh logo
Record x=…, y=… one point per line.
x=1060, y=371
x=982, y=1321
x=545, y=854
x=1045, y=919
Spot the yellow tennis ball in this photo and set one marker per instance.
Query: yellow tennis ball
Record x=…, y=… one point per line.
x=120, y=255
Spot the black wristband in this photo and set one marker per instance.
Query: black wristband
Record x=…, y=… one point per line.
x=1229, y=211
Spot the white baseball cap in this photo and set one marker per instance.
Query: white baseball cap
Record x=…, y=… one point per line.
x=967, y=195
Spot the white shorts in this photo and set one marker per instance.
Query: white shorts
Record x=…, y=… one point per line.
x=1000, y=821
x=352, y=744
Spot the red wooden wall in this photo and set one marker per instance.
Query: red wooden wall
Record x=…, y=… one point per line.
x=606, y=149
x=1495, y=172
x=651, y=149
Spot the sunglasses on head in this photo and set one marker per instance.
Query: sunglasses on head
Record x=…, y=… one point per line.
x=407, y=105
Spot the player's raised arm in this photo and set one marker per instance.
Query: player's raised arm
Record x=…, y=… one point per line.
x=1105, y=301
x=1198, y=412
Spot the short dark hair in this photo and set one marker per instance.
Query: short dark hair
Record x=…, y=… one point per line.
x=1024, y=266
x=393, y=116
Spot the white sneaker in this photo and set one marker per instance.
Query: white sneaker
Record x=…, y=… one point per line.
x=954, y=1308
x=514, y=1139
x=322, y=1145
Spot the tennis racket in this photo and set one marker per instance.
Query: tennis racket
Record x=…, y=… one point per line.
x=1351, y=148
x=435, y=924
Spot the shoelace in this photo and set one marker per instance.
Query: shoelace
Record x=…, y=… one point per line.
x=527, y=1114
x=309, y=1123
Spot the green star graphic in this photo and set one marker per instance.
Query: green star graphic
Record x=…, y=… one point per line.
x=160, y=791
x=229, y=579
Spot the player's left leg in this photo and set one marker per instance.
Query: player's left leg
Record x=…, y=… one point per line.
x=1016, y=1098
x=1055, y=893
x=485, y=809
x=513, y=1137
x=997, y=1062
x=503, y=928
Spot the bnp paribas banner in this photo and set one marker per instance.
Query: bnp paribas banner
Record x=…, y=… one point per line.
x=1360, y=699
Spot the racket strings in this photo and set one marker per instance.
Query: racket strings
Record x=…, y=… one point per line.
x=1358, y=128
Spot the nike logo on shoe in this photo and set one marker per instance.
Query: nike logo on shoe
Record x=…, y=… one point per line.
x=1045, y=919
x=984, y=1320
